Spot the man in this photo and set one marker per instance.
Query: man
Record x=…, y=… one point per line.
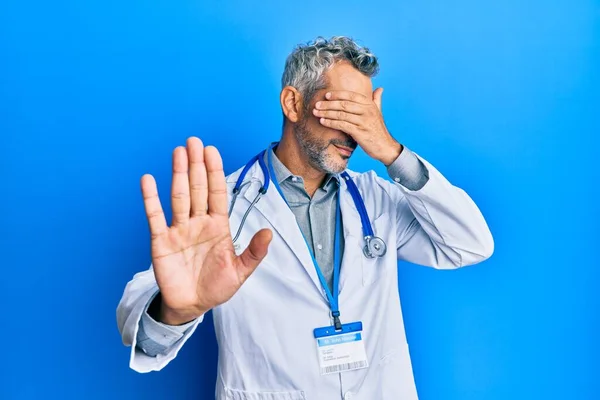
x=301, y=309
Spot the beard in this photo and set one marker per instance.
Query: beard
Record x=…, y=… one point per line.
x=316, y=149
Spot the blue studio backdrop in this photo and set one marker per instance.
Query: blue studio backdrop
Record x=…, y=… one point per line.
x=503, y=97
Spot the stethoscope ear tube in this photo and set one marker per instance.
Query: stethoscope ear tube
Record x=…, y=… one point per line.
x=233, y=199
x=262, y=191
x=256, y=199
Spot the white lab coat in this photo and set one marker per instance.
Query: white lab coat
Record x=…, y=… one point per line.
x=265, y=331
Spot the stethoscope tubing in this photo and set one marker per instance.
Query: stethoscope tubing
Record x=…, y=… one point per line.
x=374, y=246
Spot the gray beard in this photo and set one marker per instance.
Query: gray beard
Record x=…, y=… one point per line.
x=316, y=150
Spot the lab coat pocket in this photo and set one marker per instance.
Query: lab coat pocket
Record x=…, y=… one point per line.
x=234, y=394
x=395, y=375
x=376, y=268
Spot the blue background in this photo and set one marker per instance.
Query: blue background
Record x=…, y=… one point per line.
x=503, y=97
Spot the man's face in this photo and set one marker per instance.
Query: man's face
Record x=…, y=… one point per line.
x=327, y=149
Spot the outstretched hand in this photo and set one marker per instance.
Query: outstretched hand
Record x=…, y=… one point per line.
x=194, y=261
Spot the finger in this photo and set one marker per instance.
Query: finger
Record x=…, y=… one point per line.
x=342, y=105
x=377, y=97
x=154, y=212
x=217, y=187
x=347, y=95
x=198, y=179
x=343, y=126
x=254, y=253
x=180, y=187
x=340, y=116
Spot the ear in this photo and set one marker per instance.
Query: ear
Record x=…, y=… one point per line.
x=291, y=103
x=377, y=97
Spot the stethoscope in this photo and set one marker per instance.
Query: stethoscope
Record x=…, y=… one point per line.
x=374, y=245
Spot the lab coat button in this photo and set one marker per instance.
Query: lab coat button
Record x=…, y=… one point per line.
x=348, y=396
x=319, y=247
x=397, y=180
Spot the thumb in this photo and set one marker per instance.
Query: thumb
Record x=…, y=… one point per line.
x=377, y=97
x=254, y=253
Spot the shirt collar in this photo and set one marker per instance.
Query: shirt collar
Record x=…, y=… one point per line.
x=331, y=180
x=282, y=173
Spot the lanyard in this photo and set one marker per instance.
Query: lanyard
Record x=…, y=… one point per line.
x=332, y=297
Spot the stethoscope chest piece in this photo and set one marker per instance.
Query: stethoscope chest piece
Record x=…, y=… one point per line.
x=375, y=247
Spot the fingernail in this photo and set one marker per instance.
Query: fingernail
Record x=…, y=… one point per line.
x=318, y=105
x=322, y=120
x=315, y=111
x=327, y=95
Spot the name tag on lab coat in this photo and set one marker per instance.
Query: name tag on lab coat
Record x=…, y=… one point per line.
x=342, y=350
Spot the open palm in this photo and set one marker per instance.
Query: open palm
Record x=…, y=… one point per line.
x=194, y=261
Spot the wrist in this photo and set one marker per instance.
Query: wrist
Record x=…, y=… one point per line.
x=161, y=312
x=174, y=317
x=392, y=152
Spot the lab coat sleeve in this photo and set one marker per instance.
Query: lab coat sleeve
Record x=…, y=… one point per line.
x=137, y=295
x=438, y=224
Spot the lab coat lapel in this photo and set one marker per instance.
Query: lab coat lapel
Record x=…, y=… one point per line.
x=353, y=236
x=275, y=210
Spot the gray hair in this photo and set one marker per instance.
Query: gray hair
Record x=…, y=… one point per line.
x=305, y=67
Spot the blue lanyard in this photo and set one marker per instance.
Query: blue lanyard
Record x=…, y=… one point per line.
x=332, y=297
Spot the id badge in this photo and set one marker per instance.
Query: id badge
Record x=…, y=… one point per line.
x=342, y=350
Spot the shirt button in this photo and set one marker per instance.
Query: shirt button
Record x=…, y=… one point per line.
x=397, y=180
x=319, y=247
x=348, y=396
x=294, y=179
